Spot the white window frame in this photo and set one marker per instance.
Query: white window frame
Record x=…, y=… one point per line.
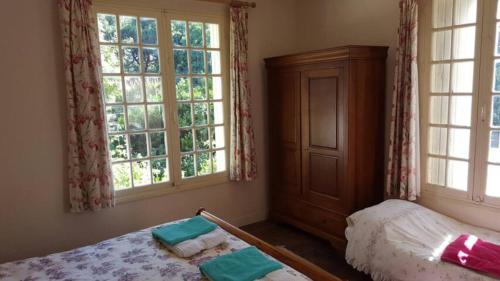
x=481, y=103
x=164, y=16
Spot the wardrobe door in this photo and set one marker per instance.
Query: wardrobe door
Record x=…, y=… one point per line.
x=284, y=111
x=323, y=120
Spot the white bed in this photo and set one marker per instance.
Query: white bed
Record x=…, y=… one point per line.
x=402, y=241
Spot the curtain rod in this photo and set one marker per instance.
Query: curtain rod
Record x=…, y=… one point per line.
x=233, y=3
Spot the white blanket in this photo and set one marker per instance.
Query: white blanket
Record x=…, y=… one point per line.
x=402, y=241
x=283, y=275
x=203, y=242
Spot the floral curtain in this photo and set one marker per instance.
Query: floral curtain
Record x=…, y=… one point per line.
x=89, y=173
x=243, y=166
x=403, y=174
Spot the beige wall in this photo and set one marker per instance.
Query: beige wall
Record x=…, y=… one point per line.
x=32, y=142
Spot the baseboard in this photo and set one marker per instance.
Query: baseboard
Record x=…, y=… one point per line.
x=250, y=218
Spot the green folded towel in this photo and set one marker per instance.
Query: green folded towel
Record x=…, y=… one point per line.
x=247, y=264
x=179, y=232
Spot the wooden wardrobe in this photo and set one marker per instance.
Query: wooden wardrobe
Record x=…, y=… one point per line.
x=326, y=112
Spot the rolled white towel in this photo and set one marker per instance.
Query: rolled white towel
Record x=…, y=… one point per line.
x=283, y=275
x=193, y=246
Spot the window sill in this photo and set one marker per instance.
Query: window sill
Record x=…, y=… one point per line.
x=431, y=193
x=151, y=191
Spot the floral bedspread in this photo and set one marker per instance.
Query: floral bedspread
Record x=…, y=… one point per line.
x=402, y=241
x=134, y=256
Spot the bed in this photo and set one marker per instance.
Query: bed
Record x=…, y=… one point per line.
x=137, y=256
x=403, y=241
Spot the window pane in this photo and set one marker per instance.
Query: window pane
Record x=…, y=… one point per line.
x=459, y=143
x=437, y=141
x=213, y=60
x=496, y=77
x=219, y=159
x=110, y=59
x=212, y=35
x=218, y=139
x=186, y=140
x=203, y=164
x=216, y=113
x=199, y=88
x=138, y=145
x=182, y=88
x=155, y=116
x=438, y=110
x=440, y=78
x=497, y=42
x=118, y=147
x=461, y=107
x=178, y=29
x=442, y=13
x=131, y=60
x=151, y=60
x=441, y=45
x=196, y=34
x=202, y=140
x=436, y=171
x=214, y=88
x=200, y=114
x=112, y=88
x=493, y=181
x=159, y=168
x=495, y=111
x=133, y=89
x=465, y=11
x=136, y=117
x=494, y=150
x=187, y=166
x=141, y=173
x=149, y=31
x=154, y=92
x=107, y=28
x=181, y=61
x=184, y=114
x=464, y=41
x=116, y=118
x=197, y=62
x=463, y=73
x=128, y=29
x=158, y=144
x=121, y=176
x=457, y=175
x=498, y=10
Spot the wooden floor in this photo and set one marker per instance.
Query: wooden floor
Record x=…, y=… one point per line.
x=314, y=249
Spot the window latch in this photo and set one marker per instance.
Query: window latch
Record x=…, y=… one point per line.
x=483, y=114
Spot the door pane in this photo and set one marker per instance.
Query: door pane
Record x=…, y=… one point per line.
x=439, y=110
x=463, y=74
x=440, y=78
x=496, y=77
x=436, y=171
x=459, y=143
x=442, y=13
x=463, y=42
x=457, y=174
x=441, y=45
x=494, y=150
x=460, y=112
x=465, y=11
x=437, y=141
x=493, y=181
x=128, y=29
x=133, y=89
x=495, y=111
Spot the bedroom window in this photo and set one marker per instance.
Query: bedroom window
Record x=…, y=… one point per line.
x=163, y=88
x=461, y=98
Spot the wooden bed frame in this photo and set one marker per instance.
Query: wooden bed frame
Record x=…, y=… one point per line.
x=300, y=264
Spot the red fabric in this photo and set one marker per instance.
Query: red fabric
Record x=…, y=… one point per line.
x=473, y=253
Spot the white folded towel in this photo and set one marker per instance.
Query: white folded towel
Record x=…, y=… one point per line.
x=193, y=246
x=283, y=275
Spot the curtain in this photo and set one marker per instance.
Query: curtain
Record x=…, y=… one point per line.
x=89, y=172
x=242, y=163
x=403, y=174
